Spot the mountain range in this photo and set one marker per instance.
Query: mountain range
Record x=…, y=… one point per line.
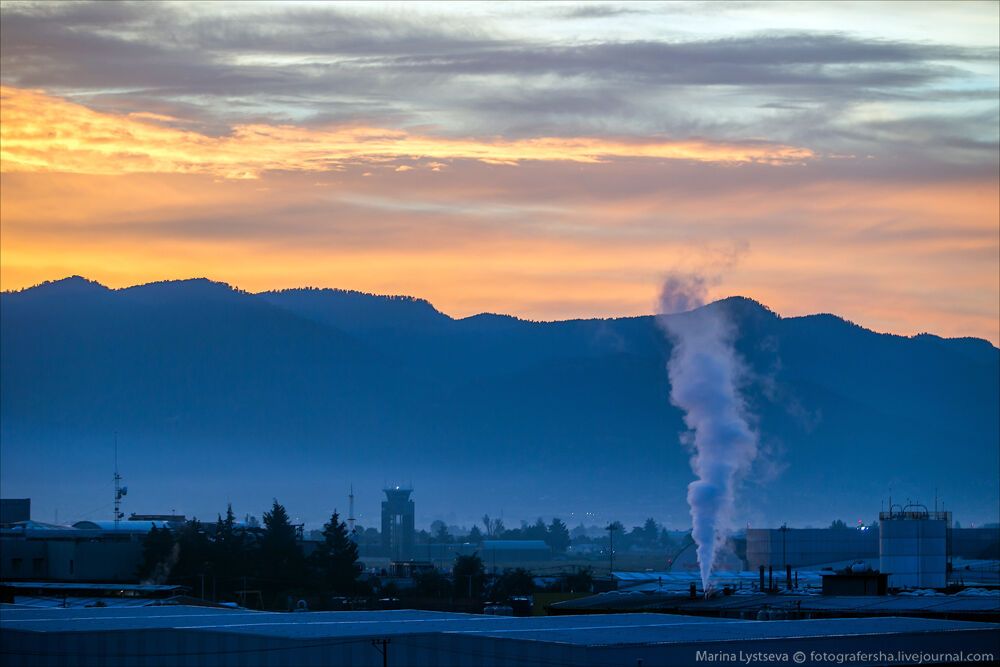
x=218, y=395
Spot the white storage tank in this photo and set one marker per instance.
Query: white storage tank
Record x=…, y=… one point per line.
x=913, y=547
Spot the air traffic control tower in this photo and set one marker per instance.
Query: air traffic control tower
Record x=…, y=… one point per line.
x=397, y=523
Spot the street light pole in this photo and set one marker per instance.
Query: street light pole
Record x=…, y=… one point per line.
x=611, y=548
x=784, y=557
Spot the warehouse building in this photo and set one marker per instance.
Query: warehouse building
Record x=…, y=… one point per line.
x=838, y=547
x=810, y=547
x=86, y=551
x=971, y=604
x=209, y=637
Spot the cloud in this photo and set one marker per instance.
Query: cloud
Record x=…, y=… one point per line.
x=759, y=60
x=44, y=133
x=481, y=73
x=598, y=11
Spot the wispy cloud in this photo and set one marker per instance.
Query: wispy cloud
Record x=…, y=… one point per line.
x=44, y=133
x=481, y=72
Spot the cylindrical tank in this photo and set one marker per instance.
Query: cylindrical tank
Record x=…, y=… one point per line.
x=913, y=550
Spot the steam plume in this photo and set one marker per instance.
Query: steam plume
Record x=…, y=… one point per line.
x=161, y=572
x=705, y=377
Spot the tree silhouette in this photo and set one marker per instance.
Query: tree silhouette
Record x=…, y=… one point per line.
x=469, y=574
x=194, y=553
x=558, y=536
x=158, y=556
x=582, y=581
x=439, y=533
x=230, y=546
x=432, y=584
x=517, y=581
x=281, y=559
x=650, y=531
x=536, y=531
x=336, y=557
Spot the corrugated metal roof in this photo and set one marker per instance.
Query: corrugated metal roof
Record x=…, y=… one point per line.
x=633, y=600
x=49, y=602
x=67, y=586
x=122, y=526
x=590, y=630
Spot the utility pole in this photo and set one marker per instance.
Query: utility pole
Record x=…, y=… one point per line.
x=350, y=512
x=611, y=548
x=382, y=646
x=784, y=532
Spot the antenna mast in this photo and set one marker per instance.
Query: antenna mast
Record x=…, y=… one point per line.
x=120, y=491
x=350, y=511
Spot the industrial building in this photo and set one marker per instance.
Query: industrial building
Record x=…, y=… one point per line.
x=809, y=547
x=86, y=551
x=913, y=547
x=398, y=532
x=810, y=594
x=181, y=636
x=916, y=547
x=970, y=605
x=856, y=582
x=64, y=595
x=975, y=543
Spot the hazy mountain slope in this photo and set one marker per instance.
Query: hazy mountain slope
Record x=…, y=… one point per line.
x=220, y=394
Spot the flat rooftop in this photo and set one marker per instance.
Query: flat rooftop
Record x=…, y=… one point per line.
x=985, y=605
x=591, y=629
x=179, y=635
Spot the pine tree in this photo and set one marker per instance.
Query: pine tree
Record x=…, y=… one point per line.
x=517, y=581
x=230, y=547
x=281, y=557
x=537, y=531
x=336, y=557
x=158, y=555
x=194, y=553
x=469, y=575
x=651, y=531
x=441, y=535
x=558, y=536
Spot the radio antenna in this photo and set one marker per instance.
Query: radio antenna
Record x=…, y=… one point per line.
x=120, y=491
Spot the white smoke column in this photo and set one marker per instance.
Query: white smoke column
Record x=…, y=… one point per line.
x=705, y=377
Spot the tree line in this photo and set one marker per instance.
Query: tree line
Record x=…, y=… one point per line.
x=650, y=535
x=266, y=564
x=226, y=561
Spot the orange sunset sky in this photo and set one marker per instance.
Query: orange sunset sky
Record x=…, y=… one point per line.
x=550, y=161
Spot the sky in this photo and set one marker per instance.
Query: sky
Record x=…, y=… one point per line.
x=548, y=160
